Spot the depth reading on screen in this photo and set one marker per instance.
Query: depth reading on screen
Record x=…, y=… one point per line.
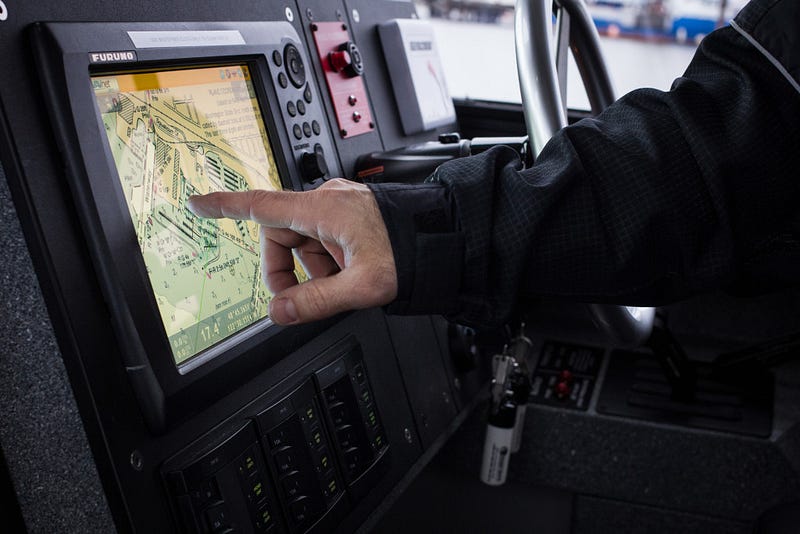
x=177, y=133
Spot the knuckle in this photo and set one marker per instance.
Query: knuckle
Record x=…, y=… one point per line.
x=314, y=301
x=335, y=183
x=257, y=196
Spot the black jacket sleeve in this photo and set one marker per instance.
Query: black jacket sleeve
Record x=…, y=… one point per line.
x=664, y=195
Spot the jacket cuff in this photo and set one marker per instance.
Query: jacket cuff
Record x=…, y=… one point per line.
x=428, y=248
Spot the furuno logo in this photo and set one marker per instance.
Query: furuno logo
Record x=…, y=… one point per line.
x=112, y=57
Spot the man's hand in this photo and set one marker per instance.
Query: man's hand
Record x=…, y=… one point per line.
x=338, y=235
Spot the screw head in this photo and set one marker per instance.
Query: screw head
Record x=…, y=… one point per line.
x=137, y=460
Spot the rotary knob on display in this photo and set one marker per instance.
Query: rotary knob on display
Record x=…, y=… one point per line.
x=294, y=65
x=347, y=60
x=313, y=165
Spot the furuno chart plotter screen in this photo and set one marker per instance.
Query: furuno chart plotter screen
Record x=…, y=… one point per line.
x=177, y=133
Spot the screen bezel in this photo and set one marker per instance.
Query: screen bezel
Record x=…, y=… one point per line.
x=167, y=392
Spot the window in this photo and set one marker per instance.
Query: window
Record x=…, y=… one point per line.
x=646, y=43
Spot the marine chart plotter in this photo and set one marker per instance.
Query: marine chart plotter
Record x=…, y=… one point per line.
x=177, y=133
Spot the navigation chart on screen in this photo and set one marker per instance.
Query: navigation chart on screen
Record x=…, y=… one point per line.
x=178, y=133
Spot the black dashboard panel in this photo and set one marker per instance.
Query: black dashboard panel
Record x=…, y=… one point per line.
x=281, y=430
x=340, y=427
x=314, y=12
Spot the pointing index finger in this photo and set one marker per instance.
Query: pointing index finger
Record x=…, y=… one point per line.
x=267, y=208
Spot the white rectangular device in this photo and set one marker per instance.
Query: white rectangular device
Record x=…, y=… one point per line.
x=420, y=90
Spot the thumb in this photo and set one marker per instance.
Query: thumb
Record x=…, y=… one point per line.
x=315, y=299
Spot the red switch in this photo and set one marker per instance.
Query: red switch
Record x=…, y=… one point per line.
x=343, y=66
x=347, y=60
x=340, y=60
x=566, y=376
x=562, y=390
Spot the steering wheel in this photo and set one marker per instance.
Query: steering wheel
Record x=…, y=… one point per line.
x=543, y=89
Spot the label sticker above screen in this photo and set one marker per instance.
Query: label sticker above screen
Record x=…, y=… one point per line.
x=177, y=133
x=174, y=39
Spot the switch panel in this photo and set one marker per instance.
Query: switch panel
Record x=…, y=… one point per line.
x=226, y=488
x=358, y=434
x=565, y=375
x=301, y=457
x=343, y=66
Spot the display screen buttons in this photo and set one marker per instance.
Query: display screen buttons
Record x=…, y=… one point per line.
x=294, y=65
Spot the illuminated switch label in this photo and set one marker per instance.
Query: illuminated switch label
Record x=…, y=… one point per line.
x=324, y=462
x=258, y=489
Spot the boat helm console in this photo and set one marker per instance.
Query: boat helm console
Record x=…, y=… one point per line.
x=145, y=389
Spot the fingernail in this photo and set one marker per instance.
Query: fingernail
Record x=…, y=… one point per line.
x=190, y=204
x=283, y=311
